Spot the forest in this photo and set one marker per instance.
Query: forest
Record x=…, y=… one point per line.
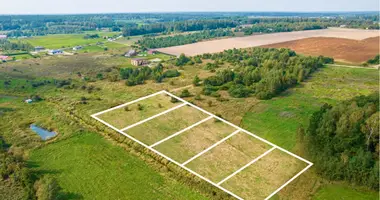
x=152, y=23
x=6, y=45
x=343, y=140
x=160, y=42
x=261, y=72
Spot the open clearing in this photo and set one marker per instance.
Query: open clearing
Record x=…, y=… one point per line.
x=345, y=50
x=205, y=145
x=215, y=46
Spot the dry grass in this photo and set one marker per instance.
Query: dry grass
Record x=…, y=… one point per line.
x=228, y=157
x=195, y=140
x=265, y=175
x=166, y=125
x=121, y=118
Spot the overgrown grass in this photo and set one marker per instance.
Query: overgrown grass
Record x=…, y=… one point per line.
x=89, y=167
x=341, y=192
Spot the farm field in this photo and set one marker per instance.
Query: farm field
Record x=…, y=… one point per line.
x=57, y=41
x=214, y=161
x=215, y=46
x=344, y=50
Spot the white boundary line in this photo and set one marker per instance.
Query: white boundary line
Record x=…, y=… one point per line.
x=245, y=166
x=168, y=158
x=181, y=131
x=210, y=147
x=152, y=117
x=131, y=102
x=290, y=180
x=184, y=167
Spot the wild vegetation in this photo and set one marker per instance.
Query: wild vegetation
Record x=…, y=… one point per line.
x=343, y=140
x=139, y=75
x=153, y=42
x=261, y=72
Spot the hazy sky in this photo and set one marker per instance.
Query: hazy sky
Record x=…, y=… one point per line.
x=112, y=6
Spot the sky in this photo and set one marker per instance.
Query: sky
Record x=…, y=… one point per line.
x=123, y=6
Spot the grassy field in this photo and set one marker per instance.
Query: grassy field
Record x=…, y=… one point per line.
x=277, y=119
x=266, y=175
x=89, y=167
x=195, y=140
x=121, y=118
x=165, y=125
x=57, y=41
x=343, y=192
x=228, y=157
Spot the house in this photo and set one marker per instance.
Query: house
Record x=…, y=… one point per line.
x=130, y=53
x=139, y=61
x=76, y=48
x=155, y=60
x=4, y=58
x=55, y=52
x=28, y=101
x=152, y=51
x=39, y=48
x=3, y=37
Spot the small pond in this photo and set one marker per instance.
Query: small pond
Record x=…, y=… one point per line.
x=43, y=133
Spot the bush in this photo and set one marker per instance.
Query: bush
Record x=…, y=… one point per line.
x=185, y=93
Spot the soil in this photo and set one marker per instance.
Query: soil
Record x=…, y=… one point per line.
x=344, y=50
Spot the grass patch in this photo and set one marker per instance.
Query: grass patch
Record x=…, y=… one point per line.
x=88, y=167
x=228, y=157
x=195, y=140
x=264, y=176
x=341, y=192
x=165, y=125
x=133, y=113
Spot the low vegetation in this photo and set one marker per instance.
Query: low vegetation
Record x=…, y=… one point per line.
x=160, y=42
x=261, y=72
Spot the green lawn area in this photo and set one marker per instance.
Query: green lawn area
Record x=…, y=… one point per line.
x=277, y=119
x=66, y=40
x=89, y=167
x=340, y=192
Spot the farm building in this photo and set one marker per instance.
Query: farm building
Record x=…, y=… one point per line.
x=139, y=61
x=152, y=51
x=39, y=48
x=28, y=101
x=3, y=36
x=130, y=53
x=77, y=48
x=55, y=52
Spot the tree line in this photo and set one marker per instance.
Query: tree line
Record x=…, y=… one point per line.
x=262, y=72
x=160, y=42
x=6, y=45
x=343, y=140
x=138, y=76
x=182, y=26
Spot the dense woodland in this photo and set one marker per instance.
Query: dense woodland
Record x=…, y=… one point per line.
x=151, y=23
x=6, y=45
x=261, y=72
x=343, y=141
x=159, y=42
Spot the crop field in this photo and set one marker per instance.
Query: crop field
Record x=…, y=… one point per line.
x=217, y=151
x=344, y=50
x=215, y=46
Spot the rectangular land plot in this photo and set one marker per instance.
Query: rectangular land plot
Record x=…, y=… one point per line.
x=263, y=177
x=195, y=140
x=165, y=125
x=121, y=118
x=228, y=157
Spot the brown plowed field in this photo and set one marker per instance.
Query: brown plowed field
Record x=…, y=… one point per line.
x=345, y=50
